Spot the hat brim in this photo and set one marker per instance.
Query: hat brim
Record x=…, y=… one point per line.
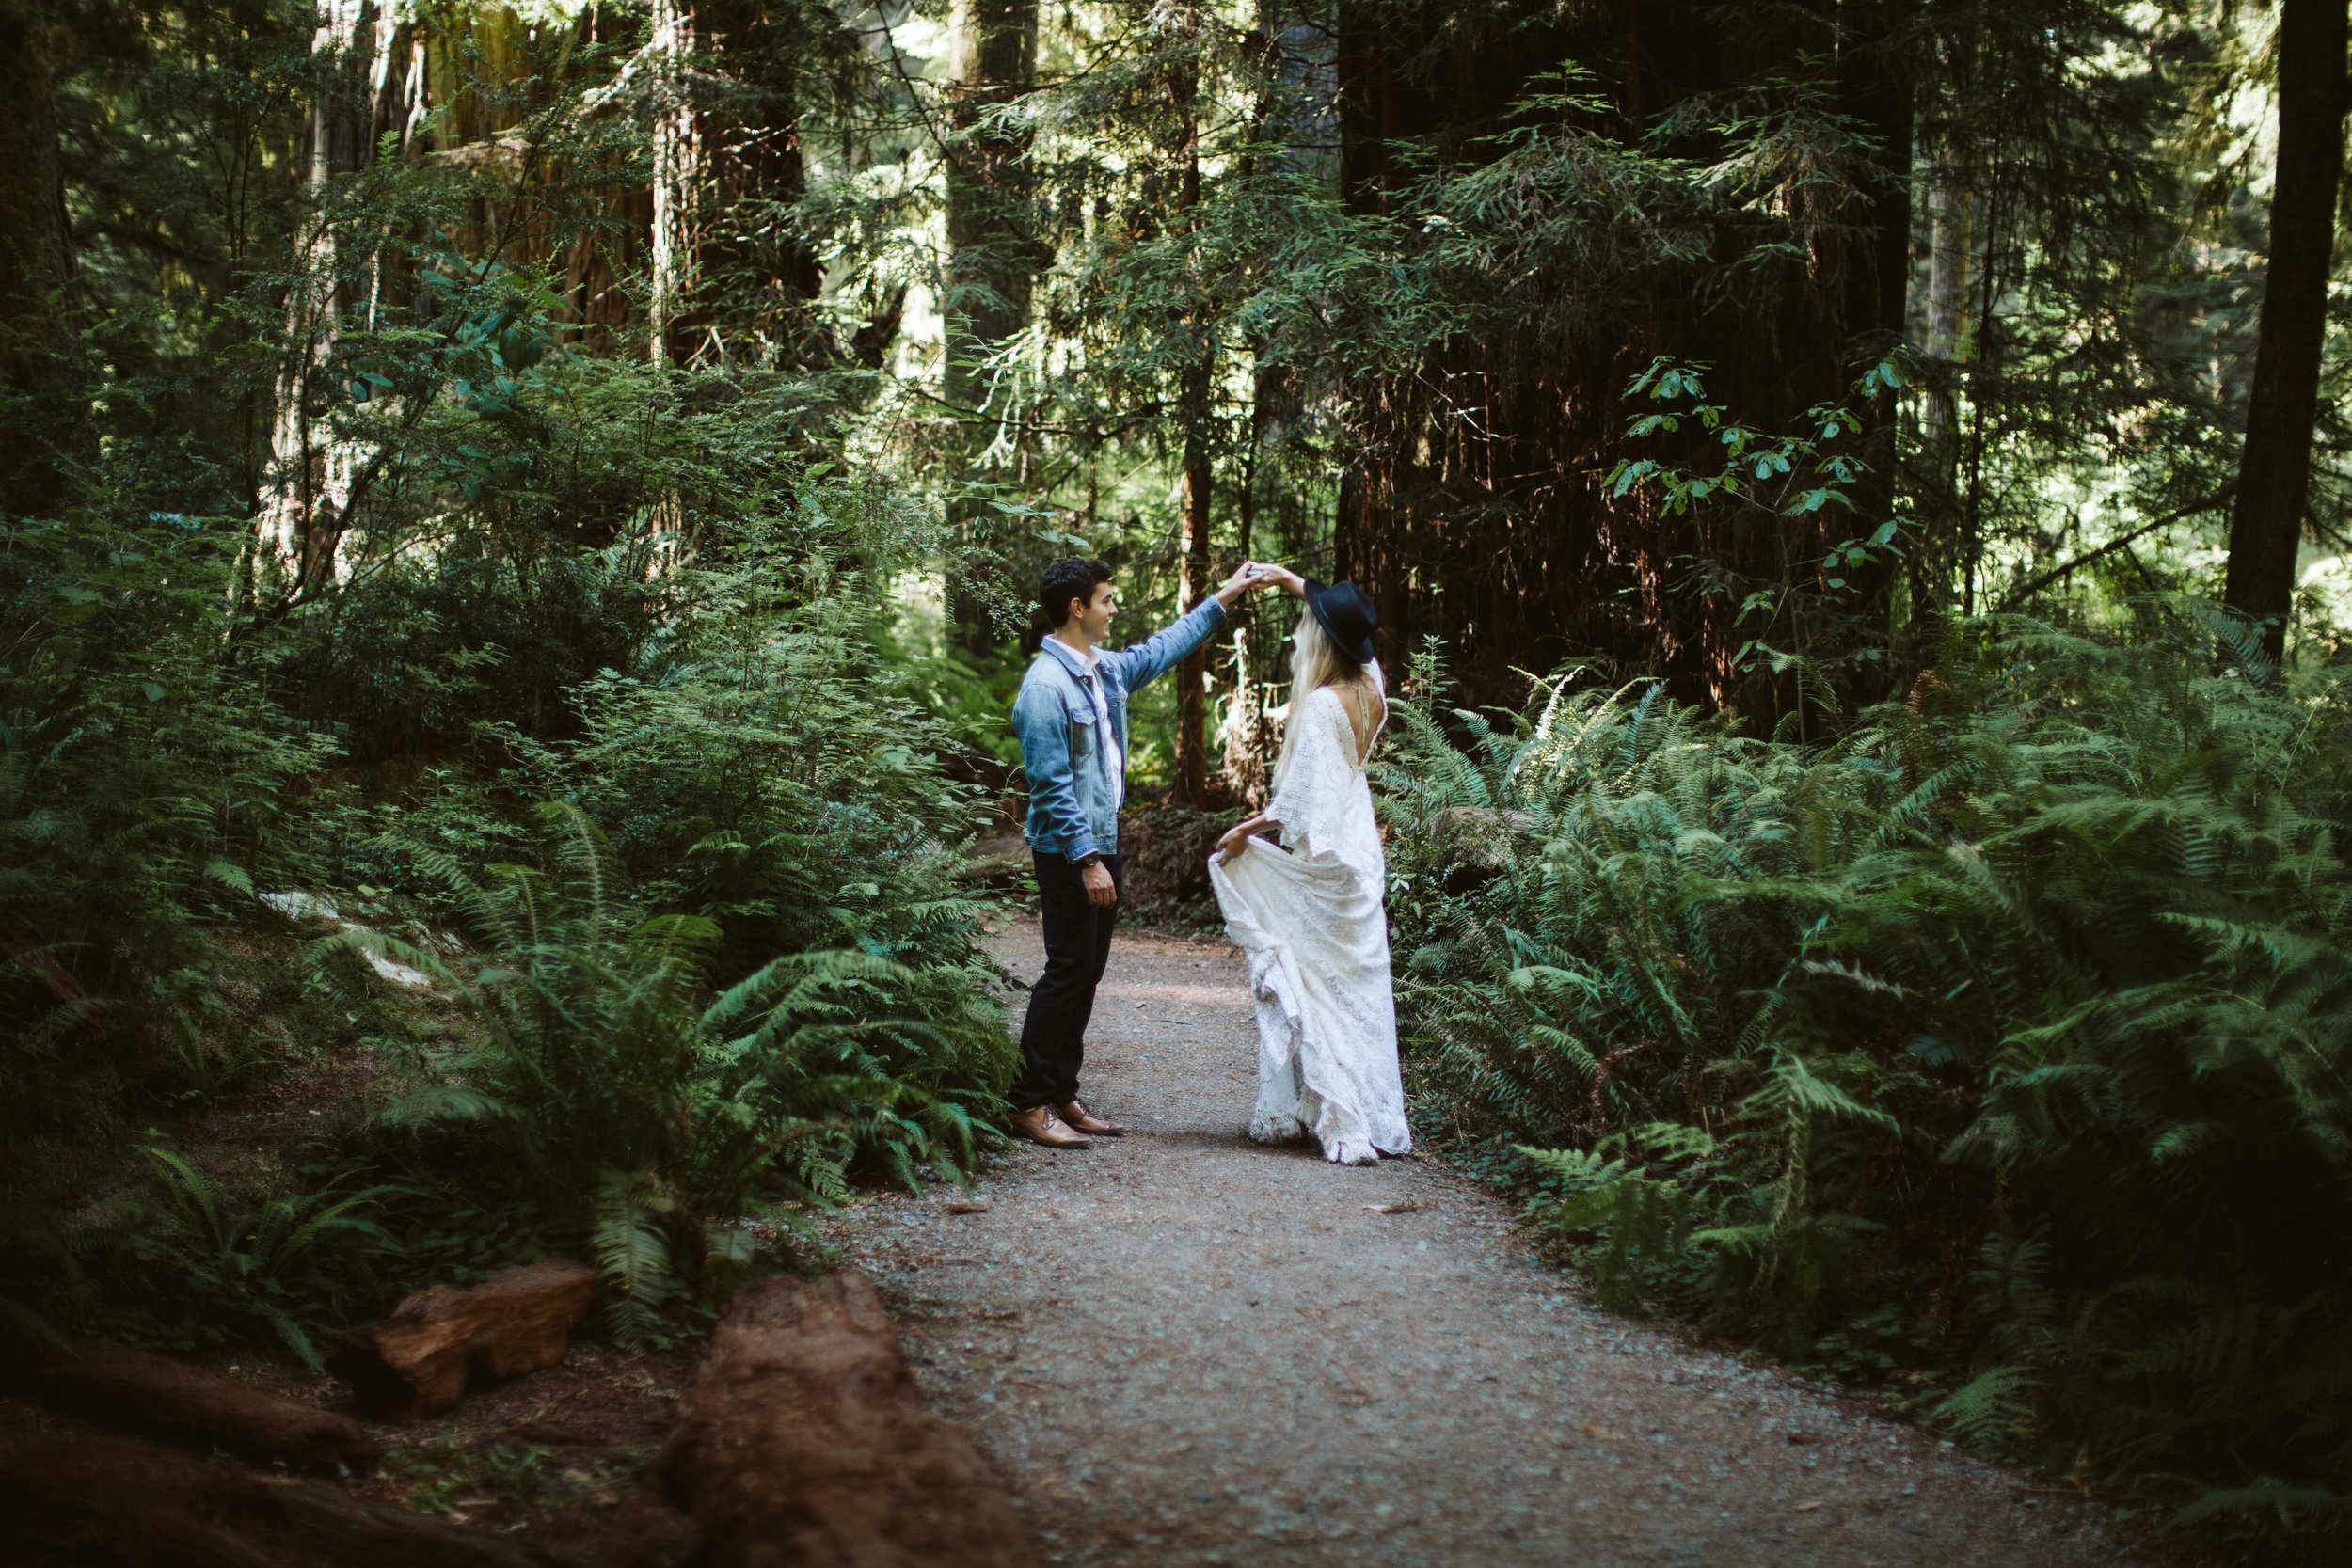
x=1358, y=649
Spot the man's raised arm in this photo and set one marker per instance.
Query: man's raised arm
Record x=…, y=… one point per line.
x=1150, y=658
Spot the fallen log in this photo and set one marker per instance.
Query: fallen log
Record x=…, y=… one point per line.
x=117, y=1502
x=162, y=1398
x=804, y=1441
x=648, y=1533
x=421, y=1360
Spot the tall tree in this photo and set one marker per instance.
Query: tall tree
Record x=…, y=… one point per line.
x=1196, y=416
x=37, y=268
x=2275, y=464
x=993, y=250
x=676, y=170
x=304, y=506
x=1473, y=506
x=760, y=274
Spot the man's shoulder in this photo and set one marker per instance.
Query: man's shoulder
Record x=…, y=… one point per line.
x=1042, y=675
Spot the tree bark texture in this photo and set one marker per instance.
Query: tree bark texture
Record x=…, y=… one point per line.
x=161, y=1398
x=2275, y=464
x=112, y=1502
x=601, y=259
x=804, y=1440
x=675, y=172
x=37, y=269
x=1483, y=471
x=1192, y=743
x=439, y=1341
x=754, y=278
x=305, y=507
x=1200, y=479
x=993, y=255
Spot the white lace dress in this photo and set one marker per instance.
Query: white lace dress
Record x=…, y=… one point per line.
x=1311, y=924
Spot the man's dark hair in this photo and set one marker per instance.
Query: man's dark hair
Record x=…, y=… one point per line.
x=1063, y=581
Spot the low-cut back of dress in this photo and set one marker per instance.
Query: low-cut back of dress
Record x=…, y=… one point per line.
x=1311, y=924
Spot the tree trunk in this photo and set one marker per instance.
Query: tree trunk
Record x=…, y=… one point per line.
x=1951, y=211
x=992, y=253
x=2275, y=464
x=1192, y=711
x=112, y=1502
x=179, y=1403
x=1200, y=390
x=805, y=1440
x=37, y=299
x=674, y=157
x=302, y=513
x=755, y=278
x=1874, y=89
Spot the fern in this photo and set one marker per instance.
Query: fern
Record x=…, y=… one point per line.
x=633, y=1252
x=2031, y=993
x=290, y=1263
x=1993, y=1410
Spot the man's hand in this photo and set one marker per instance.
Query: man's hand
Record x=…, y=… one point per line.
x=1100, y=890
x=1247, y=575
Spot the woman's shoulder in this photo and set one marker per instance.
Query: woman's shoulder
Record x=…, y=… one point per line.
x=1348, y=699
x=1332, y=703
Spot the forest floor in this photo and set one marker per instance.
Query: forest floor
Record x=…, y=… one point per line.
x=1180, y=1348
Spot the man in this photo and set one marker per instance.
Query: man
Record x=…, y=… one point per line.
x=1071, y=718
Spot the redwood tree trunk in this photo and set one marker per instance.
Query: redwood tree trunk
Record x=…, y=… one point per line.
x=991, y=247
x=2275, y=464
x=37, y=267
x=1192, y=711
x=304, y=511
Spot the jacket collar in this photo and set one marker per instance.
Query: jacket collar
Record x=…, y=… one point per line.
x=1073, y=661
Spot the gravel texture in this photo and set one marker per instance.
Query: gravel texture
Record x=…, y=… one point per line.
x=1180, y=1348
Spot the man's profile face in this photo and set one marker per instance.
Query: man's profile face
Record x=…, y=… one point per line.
x=1092, y=624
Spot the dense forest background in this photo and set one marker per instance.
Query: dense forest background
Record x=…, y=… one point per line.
x=518, y=518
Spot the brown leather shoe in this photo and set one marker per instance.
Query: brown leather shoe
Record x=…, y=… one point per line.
x=1077, y=1116
x=1040, y=1125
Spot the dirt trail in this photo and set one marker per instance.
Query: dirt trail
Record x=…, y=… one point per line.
x=1182, y=1347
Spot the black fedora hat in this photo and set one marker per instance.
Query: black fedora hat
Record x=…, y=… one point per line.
x=1346, y=614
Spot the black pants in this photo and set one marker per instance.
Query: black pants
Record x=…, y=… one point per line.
x=1077, y=945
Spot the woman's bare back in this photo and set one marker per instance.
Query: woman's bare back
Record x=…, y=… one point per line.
x=1367, y=711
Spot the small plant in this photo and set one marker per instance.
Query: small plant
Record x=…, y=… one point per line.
x=451, y=1476
x=290, y=1262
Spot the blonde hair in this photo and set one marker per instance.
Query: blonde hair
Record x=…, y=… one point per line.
x=1316, y=661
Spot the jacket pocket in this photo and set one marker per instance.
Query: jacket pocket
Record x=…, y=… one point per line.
x=1082, y=732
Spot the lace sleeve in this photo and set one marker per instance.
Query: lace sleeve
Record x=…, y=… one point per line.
x=1312, y=791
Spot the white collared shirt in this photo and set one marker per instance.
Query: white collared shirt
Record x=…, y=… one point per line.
x=1084, y=666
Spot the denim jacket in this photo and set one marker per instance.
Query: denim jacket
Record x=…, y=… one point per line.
x=1073, y=809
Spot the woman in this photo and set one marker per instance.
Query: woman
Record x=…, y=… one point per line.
x=1307, y=913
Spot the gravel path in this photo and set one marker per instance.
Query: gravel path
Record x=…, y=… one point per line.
x=1183, y=1349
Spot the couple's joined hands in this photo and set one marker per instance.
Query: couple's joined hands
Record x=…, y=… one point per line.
x=1261, y=573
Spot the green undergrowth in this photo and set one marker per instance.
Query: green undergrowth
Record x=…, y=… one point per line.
x=602, y=735
x=1992, y=1052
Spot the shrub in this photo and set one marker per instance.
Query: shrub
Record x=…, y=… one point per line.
x=2024, y=999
